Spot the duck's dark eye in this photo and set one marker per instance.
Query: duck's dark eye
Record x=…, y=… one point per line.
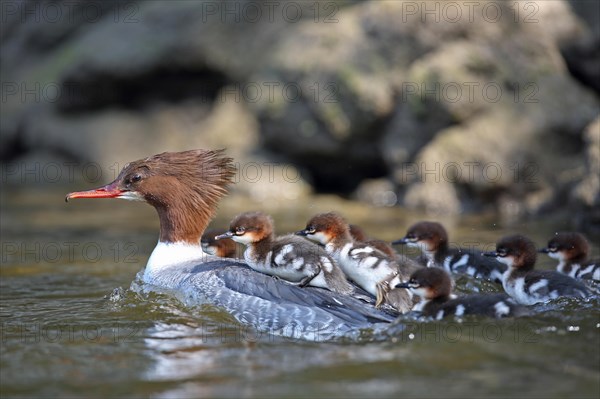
x=240, y=230
x=502, y=252
x=134, y=178
x=311, y=230
x=552, y=248
x=411, y=236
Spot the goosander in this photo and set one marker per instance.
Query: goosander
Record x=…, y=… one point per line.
x=432, y=239
x=184, y=188
x=289, y=257
x=571, y=250
x=225, y=248
x=526, y=285
x=368, y=267
x=434, y=287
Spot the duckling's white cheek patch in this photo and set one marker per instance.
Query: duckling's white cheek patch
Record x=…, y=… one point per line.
x=319, y=237
x=422, y=292
x=422, y=245
x=507, y=260
x=556, y=255
x=243, y=239
x=209, y=249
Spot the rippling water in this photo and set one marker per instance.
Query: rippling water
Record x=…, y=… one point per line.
x=66, y=330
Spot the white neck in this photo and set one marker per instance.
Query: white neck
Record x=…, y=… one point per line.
x=430, y=255
x=419, y=306
x=169, y=254
x=424, y=247
x=561, y=265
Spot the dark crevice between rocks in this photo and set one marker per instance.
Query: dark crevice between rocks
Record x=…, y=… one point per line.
x=563, y=142
x=329, y=176
x=164, y=85
x=14, y=147
x=583, y=62
x=481, y=200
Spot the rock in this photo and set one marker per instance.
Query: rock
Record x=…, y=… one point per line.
x=273, y=183
x=585, y=196
x=467, y=107
x=377, y=192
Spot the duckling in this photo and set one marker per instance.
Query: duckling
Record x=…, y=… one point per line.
x=288, y=257
x=434, y=286
x=368, y=267
x=571, y=250
x=526, y=285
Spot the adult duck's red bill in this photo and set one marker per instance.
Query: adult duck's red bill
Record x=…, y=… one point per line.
x=109, y=191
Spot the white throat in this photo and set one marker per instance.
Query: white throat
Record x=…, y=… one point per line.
x=423, y=246
x=507, y=260
x=556, y=255
x=169, y=254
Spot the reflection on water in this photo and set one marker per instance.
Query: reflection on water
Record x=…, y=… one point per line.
x=66, y=332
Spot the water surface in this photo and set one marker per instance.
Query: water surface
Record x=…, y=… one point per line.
x=65, y=333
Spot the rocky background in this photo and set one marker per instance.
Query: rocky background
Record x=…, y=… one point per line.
x=447, y=106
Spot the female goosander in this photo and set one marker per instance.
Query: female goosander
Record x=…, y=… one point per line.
x=184, y=188
x=526, y=285
x=434, y=287
x=290, y=257
x=371, y=269
x=571, y=250
x=432, y=239
x=225, y=248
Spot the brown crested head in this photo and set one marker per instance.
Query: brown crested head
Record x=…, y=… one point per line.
x=327, y=227
x=571, y=246
x=251, y=227
x=430, y=283
x=516, y=251
x=431, y=234
x=184, y=187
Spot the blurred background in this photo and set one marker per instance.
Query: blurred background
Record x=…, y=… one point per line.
x=447, y=107
x=483, y=115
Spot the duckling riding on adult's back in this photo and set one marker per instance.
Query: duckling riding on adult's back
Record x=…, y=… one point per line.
x=184, y=188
